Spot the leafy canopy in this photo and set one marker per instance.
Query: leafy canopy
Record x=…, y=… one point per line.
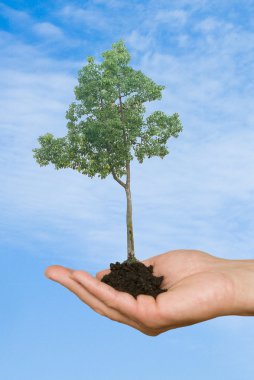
x=106, y=126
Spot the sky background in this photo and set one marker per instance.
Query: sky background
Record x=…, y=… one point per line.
x=198, y=197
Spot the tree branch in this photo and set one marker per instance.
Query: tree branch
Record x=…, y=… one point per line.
x=114, y=174
x=118, y=179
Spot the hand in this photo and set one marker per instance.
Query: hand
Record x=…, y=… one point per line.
x=200, y=285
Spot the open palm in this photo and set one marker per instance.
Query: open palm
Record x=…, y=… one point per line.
x=199, y=288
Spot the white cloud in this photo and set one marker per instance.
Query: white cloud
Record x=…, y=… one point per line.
x=138, y=41
x=110, y=3
x=94, y=19
x=210, y=24
x=45, y=31
x=48, y=30
x=183, y=40
x=174, y=17
x=13, y=15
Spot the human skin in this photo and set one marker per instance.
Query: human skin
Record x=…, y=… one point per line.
x=200, y=287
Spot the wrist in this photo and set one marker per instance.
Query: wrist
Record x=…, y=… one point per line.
x=241, y=274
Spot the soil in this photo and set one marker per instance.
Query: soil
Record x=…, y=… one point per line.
x=134, y=278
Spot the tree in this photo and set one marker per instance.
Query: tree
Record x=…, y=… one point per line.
x=107, y=127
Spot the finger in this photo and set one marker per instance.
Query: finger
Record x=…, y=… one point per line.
x=115, y=315
x=152, y=262
x=121, y=301
x=102, y=273
x=57, y=271
x=102, y=309
x=148, y=262
x=62, y=276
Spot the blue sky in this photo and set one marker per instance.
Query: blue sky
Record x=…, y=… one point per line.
x=200, y=196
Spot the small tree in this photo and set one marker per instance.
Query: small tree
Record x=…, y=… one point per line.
x=107, y=128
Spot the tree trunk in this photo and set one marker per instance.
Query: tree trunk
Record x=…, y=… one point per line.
x=130, y=238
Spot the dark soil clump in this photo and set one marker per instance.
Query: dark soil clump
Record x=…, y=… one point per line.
x=134, y=278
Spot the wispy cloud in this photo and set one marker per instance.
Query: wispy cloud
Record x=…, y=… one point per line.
x=93, y=18
x=14, y=15
x=48, y=30
x=110, y=3
x=138, y=41
x=27, y=25
x=172, y=18
x=211, y=25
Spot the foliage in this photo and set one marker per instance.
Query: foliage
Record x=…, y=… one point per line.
x=106, y=126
